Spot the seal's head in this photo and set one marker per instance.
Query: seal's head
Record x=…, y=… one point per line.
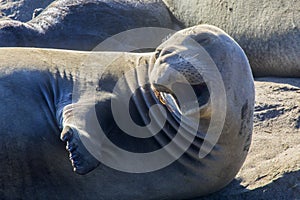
x=181, y=69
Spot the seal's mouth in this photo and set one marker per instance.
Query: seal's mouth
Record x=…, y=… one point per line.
x=188, y=106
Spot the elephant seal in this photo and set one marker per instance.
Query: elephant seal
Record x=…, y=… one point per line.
x=81, y=25
x=268, y=31
x=38, y=104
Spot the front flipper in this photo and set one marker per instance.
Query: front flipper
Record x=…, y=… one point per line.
x=82, y=161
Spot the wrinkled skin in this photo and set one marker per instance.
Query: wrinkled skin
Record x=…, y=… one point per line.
x=36, y=99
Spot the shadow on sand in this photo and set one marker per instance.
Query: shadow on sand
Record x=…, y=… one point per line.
x=286, y=187
x=291, y=81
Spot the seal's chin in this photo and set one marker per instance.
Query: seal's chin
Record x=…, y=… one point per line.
x=198, y=107
x=82, y=161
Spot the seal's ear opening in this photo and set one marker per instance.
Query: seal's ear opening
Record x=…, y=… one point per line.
x=82, y=161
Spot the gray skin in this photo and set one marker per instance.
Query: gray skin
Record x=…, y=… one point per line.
x=81, y=25
x=268, y=31
x=36, y=85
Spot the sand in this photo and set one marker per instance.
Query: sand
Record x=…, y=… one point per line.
x=272, y=167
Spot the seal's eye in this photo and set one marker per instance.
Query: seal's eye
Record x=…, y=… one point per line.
x=163, y=53
x=157, y=54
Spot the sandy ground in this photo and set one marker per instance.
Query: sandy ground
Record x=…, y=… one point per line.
x=272, y=168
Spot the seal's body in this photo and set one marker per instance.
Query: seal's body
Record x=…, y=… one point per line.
x=82, y=25
x=268, y=31
x=38, y=106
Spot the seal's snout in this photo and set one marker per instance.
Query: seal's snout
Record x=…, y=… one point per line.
x=179, y=83
x=174, y=64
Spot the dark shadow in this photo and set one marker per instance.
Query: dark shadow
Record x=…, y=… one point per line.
x=298, y=123
x=286, y=187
